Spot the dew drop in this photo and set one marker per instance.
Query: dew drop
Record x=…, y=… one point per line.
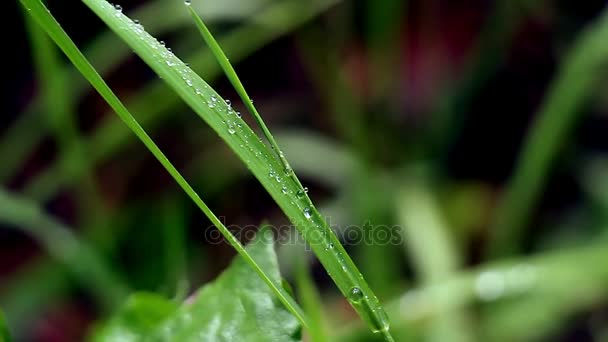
x=307, y=213
x=355, y=295
x=136, y=21
x=228, y=103
x=238, y=115
x=231, y=129
x=188, y=2
x=284, y=189
x=189, y=82
x=162, y=42
x=301, y=193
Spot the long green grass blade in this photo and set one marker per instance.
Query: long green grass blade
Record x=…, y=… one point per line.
x=52, y=27
x=374, y=318
x=234, y=79
x=106, y=55
x=154, y=104
x=555, y=121
x=250, y=149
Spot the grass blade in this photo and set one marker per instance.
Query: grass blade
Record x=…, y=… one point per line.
x=153, y=103
x=112, y=135
x=249, y=148
x=555, y=121
x=52, y=27
x=370, y=311
x=234, y=79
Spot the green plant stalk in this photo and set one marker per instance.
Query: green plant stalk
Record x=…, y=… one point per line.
x=556, y=119
x=54, y=30
x=287, y=169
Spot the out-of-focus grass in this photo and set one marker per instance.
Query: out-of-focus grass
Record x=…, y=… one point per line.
x=153, y=103
x=578, y=75
x=523, y=298
x=76, y=256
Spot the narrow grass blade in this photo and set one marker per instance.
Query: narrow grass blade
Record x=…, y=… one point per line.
x=78, y=257
x=60, y=116
x=153, y=103
x=556, y=119
x=106, y=55
x=370, y=311
x=229, y=71
x=52, y=27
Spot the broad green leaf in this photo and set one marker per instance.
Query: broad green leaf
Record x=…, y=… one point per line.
x=237, y=306
x=141, y=315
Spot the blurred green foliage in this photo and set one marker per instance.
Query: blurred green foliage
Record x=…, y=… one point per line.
x=374, y=103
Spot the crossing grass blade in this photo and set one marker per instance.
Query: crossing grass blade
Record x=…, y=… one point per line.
x=371, y=310
x=54, y=30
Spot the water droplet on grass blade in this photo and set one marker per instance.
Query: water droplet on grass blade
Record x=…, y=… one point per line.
x=307, y=213
x=188, y=2
x=355, y=295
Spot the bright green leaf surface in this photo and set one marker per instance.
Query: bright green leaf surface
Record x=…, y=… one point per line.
x=140, y=316
x=237, y=306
